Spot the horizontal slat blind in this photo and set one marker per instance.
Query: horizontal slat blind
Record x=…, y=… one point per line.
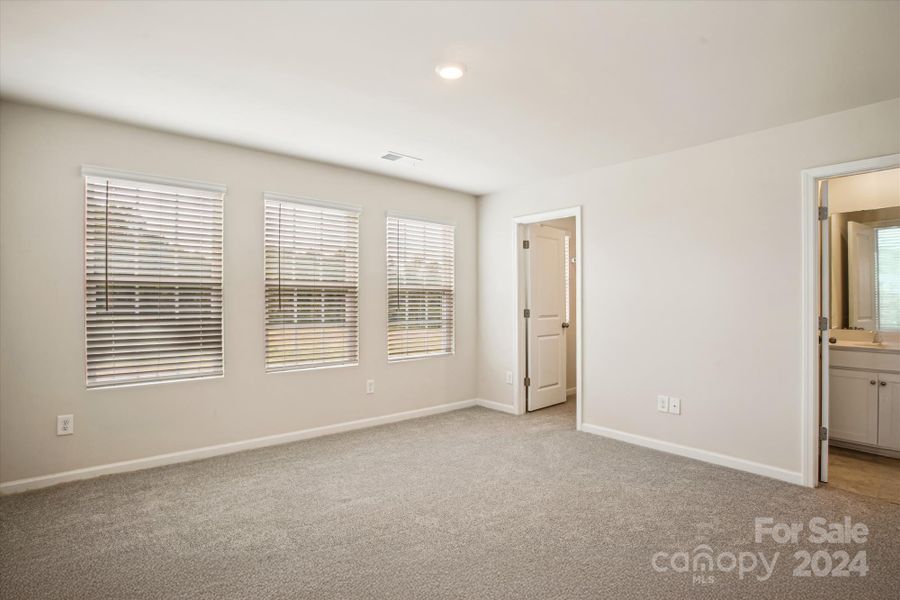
x=312, y=285
x=887, y=269
x=420, y=282
x=153, y=282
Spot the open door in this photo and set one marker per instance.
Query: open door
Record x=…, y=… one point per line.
x=824, y=313
x=546, y=325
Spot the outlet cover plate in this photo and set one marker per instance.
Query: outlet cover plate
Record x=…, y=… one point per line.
x=675, y=405
x=370, y=386
x=662, y=403
x=65, y=424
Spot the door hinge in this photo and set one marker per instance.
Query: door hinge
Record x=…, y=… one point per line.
x=527, y=313
x=527, y=381
x=526, y=244
x=823, y=323
x=823, y=213
x=823, y=433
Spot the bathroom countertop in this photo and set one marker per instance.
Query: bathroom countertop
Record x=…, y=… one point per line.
x=865, y=347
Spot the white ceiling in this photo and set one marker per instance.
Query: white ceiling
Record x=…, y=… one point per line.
x=551, y=88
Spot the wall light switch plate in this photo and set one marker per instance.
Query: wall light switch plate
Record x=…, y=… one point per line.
x=65, y=424
x=662, y=403
x=675, y=406
x=509, y=378
x=370, y=386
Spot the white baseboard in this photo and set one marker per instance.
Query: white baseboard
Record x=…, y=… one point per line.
x=697, y=454
x=507, y=408
x=570, y=391
x=20, y=485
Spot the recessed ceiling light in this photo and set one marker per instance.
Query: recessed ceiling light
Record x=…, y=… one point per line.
x=450, y=70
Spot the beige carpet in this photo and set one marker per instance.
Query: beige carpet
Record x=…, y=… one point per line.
x=469, y=504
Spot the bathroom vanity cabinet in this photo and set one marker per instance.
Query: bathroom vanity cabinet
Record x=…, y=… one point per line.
x=864, y=407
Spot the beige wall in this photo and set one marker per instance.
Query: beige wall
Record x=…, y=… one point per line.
x=682, y=296
x=41, y=301
x=866, y=191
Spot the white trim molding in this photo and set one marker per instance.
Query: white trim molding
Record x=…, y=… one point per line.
x=20, y=485
x=809, y=342
x=506, y=408
x=94, y=171
x=519, y=302
x=715, y=458
x=345, y=206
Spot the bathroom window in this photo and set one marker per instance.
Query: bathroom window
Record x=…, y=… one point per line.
x=420, y=286
x=312, y=284
x=152, y=279
x=887, y=275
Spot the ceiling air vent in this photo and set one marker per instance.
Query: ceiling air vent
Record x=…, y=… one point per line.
x=401, y=158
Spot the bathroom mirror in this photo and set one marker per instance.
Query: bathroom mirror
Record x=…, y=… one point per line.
x=864, y=221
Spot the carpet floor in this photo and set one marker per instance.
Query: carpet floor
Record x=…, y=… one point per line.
x=468, y=504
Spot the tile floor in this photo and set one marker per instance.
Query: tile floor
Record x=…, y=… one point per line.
x=866, y=474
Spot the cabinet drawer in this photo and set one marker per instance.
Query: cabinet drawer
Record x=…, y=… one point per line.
x=860, y=359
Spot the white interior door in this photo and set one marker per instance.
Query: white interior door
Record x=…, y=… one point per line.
x=824, y=311
x=546, y=299
x=861, y=274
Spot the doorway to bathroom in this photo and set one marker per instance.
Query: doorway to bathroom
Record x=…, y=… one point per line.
x=548, y=314
x=853, y=412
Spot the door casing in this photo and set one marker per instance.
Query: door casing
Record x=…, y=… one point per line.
x=809, y=317
x=518, y=322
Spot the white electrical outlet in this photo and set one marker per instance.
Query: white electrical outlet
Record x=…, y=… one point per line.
x=65, y=424
x=662, y=403
x=675, y=406
x=370, y=386
x=509, y=379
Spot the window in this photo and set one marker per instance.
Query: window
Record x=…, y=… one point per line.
x=420, y=280
x=887, y=275
x=153, y=279
x=312, y=284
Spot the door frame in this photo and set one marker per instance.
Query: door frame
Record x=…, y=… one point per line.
x=518, y=263
x=812, y=279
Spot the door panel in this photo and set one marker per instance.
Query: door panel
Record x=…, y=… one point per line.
x=546, y=292
x=889, y=411
x=548, y=360
x=854, y=406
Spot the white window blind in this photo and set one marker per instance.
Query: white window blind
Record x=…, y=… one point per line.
x=420, y=282
x=887, y=275
x=312, y=285
x=153, y=281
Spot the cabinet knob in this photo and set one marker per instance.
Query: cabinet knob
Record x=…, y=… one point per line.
x=872, y=382
x=884, y=383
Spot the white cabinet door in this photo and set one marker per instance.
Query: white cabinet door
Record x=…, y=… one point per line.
x=853, y=412
x=889, y=411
